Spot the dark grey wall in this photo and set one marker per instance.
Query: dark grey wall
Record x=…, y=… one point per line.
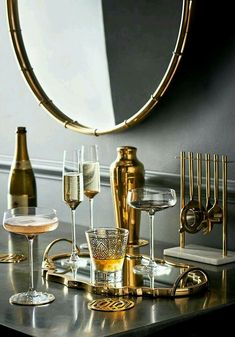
x=196, y=114
x=140, y=38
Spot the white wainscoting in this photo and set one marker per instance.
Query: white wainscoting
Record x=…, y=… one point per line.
x=49, y=178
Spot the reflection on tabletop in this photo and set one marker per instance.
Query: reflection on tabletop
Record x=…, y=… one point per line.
x=172, y=279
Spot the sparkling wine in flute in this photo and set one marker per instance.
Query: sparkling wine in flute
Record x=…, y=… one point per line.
x=91, y=174
x=73, y=194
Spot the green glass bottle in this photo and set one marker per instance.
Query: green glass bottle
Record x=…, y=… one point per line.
x=22, y=191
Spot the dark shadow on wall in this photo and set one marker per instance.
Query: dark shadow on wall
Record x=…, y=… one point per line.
x=140, y=38
x=210, y=48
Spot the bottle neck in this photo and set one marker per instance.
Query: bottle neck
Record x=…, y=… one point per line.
x=21, y=152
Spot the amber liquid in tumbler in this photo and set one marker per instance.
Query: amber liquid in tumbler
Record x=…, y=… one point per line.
x=109, y=265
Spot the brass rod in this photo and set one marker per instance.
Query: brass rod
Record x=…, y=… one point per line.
x=208, y=190
x=199, y=178
x=216, y=177
x=224, y=177
x=182, y=193
x=208, y=182
x=182, y=175
x=191, y=175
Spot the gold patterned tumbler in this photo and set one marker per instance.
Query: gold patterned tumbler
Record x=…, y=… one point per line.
x=126, y=173
x=107, y=247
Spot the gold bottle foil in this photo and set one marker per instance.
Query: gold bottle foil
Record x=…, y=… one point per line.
x=126, y=173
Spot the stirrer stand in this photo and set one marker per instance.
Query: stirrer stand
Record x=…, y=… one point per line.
x=196, y=216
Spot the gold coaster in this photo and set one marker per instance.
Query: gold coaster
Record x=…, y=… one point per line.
x=111, y=304
x=11, y=258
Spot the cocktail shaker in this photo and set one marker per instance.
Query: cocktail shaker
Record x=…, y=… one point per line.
x=126, y=173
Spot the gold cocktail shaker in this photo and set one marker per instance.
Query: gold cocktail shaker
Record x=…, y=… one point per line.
x=126, y=173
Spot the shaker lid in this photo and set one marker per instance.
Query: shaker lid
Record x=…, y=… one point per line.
x=126, y=147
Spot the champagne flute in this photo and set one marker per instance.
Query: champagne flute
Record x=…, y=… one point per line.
x=73, y=192
x=30, y=221
x=151, y=200
x=91, y=176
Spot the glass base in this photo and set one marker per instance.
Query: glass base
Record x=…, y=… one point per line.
x=84, y=246
x=109, y=279
x=74, y=264
x=73, y=261
x=31, y=298
x=150, y=269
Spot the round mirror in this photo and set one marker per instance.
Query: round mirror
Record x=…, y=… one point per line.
x=98, y=66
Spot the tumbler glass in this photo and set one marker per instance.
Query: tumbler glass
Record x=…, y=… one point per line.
x=107, y=247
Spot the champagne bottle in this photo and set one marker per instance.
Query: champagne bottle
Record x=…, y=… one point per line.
x=22, y=190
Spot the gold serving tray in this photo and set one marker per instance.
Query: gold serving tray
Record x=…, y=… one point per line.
x=173, y=280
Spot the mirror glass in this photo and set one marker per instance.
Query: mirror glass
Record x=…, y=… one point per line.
x=99, y=61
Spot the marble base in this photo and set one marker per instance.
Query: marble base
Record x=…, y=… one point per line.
x=201, y=254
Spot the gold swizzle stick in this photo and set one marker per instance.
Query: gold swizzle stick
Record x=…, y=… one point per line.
x=224, y=175
x=209, y=204
x=182, y=195
x=202, y=214
x=215, y=213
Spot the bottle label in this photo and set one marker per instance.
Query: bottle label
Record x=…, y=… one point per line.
x=22, y=165
x=18, y=200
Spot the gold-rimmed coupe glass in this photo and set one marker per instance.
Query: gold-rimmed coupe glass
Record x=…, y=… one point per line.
x=30, y=221
x=151, y=200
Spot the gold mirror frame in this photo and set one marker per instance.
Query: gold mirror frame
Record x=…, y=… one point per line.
x=49, y=106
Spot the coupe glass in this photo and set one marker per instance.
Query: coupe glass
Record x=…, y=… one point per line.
x=150, y=200
x=30, y=221
x=91, y=176
x=73, y=193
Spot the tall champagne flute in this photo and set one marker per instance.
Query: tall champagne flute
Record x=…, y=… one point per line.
x=73, y=192
x=91, y=176
x=151, y=200
x=30, y=221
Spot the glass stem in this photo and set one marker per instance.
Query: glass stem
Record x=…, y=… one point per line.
x=151, y=224
x=31, y=279
x=74, y=240
x=91, y=213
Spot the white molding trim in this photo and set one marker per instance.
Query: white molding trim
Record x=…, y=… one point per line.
x=45, y=169
x=49, y=169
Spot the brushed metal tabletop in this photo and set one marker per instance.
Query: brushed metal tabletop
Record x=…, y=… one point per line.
x=69, y=314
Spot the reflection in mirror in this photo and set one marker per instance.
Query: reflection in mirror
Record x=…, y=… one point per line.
x=68, y=56
x=98, y=62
